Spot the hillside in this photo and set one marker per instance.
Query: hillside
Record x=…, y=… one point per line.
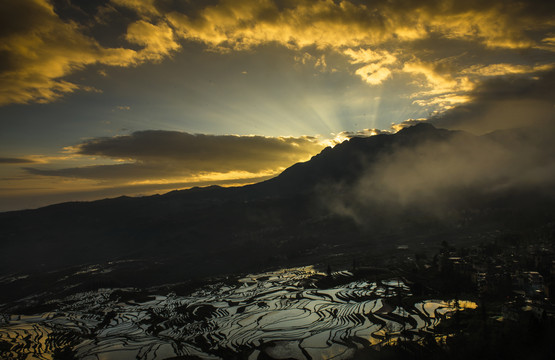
x=422, y=185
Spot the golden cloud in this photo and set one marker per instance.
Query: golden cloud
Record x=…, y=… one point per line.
x=240, y=25
x=441, y=88
x=328, y=23
x=38, y=52
x=376, y=70
x=548, y=43
x=445, y=101
x=352, y=28
x=440, y=81
x=40, y=48
x=157, y=40
x=506, y=69
x=346, y=135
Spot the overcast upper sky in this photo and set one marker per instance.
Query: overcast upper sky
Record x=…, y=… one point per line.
x=113, y=97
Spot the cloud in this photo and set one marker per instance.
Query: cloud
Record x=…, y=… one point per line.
x=157, y=40
x=407, y=123
x=39, y=49
x=515, y=119
x=346, y=135
x=498, y=103
x=506, y=69
x=40, y=46
x=325, y=23
x=375, y=71
x=439, y=80
x=145, y=8
x=442, y=101
x=447, y=84
x=366, y=32
x=548, y=43
x=436, y=168
x=157, y=154
x=435, y=173
x=318, y=62
x=4, y=160
x=503, y=103
x=442, y=85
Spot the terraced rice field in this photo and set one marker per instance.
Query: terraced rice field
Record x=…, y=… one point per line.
x=275, y=315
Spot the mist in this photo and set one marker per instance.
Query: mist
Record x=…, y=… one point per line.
x=447, y=171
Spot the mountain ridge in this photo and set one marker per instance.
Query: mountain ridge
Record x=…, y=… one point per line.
x=364, y=194
x=337, y=154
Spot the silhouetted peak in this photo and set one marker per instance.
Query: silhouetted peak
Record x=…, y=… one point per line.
x=423, y=127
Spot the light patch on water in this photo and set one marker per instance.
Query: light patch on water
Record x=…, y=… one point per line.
x=278, y=314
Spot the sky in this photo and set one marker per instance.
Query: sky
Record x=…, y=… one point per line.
x=126, y=97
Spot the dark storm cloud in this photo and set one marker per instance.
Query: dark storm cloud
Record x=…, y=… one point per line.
x=157, y=154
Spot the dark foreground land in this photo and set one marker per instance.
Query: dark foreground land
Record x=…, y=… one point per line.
x=459, y=302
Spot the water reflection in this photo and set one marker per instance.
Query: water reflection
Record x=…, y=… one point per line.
x=279, y=314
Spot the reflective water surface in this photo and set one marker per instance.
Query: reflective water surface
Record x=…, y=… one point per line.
x=279, y=315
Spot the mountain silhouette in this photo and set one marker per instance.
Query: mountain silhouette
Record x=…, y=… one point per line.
x=344, y=162
x=420, y=185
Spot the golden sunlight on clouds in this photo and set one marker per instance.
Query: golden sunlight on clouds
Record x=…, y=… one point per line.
x=38, y=52
x=505, y=69
x=327, y=23
x=272, y=67
x=337, y=24
x=444, y=102
x=158, y=40
x=240, y=25
x=439, y=82
x=441, y=85
x=346, y=135
x=375, y=72
x=548, y=43
x=360, y=30
x=237, y=177
x=497, y=26
x=42, y=48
